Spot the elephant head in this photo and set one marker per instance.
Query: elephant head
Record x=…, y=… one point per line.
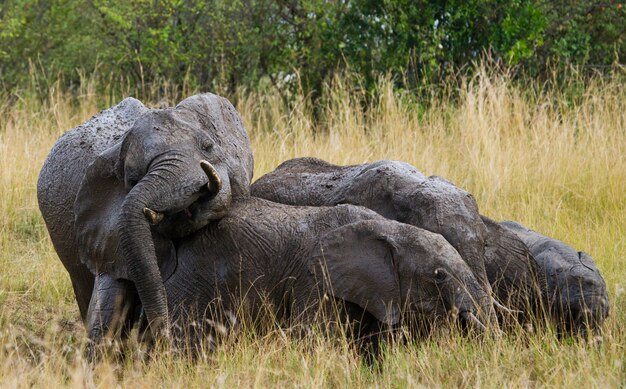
x=392, y=269
x=172, y=173
x=576, y=294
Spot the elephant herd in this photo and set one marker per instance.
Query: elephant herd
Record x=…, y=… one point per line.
x=154, y=216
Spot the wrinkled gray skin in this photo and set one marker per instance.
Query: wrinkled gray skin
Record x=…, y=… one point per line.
x=100, y=177
x=285, y=256
x=513, y=273
x=395, y=190
x=523, y=273
x=576, y=293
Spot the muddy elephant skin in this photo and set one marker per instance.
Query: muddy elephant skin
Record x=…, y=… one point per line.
x=287, y=258
x=395, y=190
x=529, y=273
x=117, y=189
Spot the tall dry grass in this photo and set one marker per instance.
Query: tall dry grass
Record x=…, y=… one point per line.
x=554, y=161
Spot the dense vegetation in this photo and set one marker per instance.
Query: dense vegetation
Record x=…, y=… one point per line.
x=221, y=45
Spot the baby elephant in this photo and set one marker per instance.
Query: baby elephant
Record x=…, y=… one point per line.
x=576, y=295
x=393, y=189
x=295, y=262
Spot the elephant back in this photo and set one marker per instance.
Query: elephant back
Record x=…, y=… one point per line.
x=65, y=166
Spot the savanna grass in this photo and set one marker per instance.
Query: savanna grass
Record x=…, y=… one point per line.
x=545, y=156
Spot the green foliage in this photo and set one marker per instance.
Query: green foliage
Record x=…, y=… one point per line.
x=221, y=45
x=49, y=35
x=586, y=33
x=428, y=38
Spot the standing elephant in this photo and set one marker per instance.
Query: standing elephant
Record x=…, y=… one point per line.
x=576, y=295
x=117, y=189
x=395, y=190
x=286, y=258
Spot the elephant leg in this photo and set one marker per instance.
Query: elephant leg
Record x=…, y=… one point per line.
x=112, y=308
x=82, y=283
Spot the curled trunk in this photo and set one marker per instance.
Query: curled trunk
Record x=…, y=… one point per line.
x=143, y=269
x=138, y=249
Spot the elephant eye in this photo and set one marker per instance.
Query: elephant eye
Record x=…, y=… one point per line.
x=206, y=145
x=440, y=275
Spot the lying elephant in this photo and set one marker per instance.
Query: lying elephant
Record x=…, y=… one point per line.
x=513, y=273
x=398, y=191
x=115, y=191
x=577, y=298
x=395, y=190
x=287, y=258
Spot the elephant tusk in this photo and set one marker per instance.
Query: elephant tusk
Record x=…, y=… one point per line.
x=153, y=216
x=215, y=183
x=473, y=320
x=504, y=309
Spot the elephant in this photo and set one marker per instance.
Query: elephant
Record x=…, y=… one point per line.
x=576, y=294
x=300, y=261
x=395, y=190
x=118, y=190
x=514, y=274
x=522, y=276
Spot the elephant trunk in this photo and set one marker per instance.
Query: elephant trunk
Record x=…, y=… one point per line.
x=160, y=191
x=482, y=290
x=471, y=321
x=466, y=233
x=471, y=298
x=143, y=269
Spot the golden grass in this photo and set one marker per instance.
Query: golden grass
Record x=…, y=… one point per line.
x=529, y=153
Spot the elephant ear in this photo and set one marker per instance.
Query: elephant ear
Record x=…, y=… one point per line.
x=97, y=210
x=511, y=268
x=356, y=263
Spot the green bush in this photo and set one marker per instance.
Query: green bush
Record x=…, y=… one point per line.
x=222, y=45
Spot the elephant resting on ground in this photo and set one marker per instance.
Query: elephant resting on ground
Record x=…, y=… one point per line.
x=398, y=191
x=296, y=261
x=577, y=298
x=115, y=191
x=395, y=190
x=513, y=273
